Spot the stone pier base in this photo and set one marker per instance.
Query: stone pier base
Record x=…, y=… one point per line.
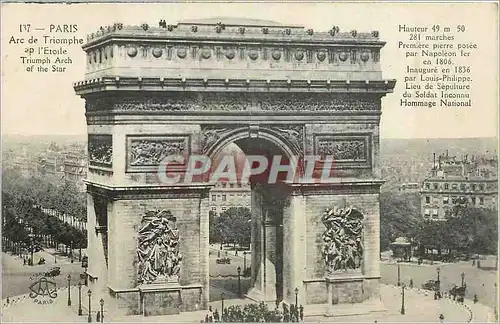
x=160, y=299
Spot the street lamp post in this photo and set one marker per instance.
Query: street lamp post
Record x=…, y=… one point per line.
x=80, y=298
x=69, y=290
x=85, y=264
x=403, y=299
x=89, y=318
x=32, y=247
x=71, y=250
x=222, y=306
x=239, y=281
x=463, y=277
x=101, y=302
x=438, y=270
x=399, y=275
x=244, y=261
x=296, y=297
x=495, y=310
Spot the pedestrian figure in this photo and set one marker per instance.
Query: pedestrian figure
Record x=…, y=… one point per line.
x=286, y=314
x=473, y=262
x=8, y=300
x=478, y=264
x=216, y=315
x=301, y=313
x=24, y=261
x=441, y=318
x=206, y=318
x=98, y=317
x=411, y=283
x=475, y=298
x=210, y=314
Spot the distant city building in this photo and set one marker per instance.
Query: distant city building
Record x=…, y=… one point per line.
x=75, y=168
x=52, y=162
x=226, y=195
x=453, y=180
x=21, y=161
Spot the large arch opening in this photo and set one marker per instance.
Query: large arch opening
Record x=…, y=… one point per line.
x=263, y=264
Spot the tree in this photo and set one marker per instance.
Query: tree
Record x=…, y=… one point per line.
x=214, y=235
x=399, y=217
x=486, y=231
x=234, y=225
x=22, y=200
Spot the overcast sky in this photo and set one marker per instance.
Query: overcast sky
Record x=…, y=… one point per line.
x=35, y=103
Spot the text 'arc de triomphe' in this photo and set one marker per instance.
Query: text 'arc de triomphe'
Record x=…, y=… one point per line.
x=191, y=89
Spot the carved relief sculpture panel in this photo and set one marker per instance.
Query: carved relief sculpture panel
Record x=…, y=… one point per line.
x=146, y=153
x=347, y=150
x=293, y=134
x=211, y=134
x=100, y=150
x=159, y=259
x=343, y=239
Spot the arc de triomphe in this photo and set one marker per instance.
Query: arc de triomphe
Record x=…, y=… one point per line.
x=195, y=87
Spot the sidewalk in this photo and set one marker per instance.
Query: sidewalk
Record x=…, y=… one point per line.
x=419, y=306
x=231, y=253
x=415, y=263
x=51, y=256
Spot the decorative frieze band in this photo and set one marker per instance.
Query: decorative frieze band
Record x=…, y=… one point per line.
x=341, y=55
x=212, y=101
x=146, y=153
x=305, y=55
x=100, y=150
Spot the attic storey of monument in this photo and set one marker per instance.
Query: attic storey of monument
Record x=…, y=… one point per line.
x=192, y=89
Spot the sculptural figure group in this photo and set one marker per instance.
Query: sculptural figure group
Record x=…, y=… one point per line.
x=343, y=247
x=158, y=250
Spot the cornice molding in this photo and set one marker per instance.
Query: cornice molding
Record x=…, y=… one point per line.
x=380, y=87
x=178, y=191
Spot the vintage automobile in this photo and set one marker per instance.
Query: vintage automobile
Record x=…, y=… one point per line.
x=431, y=285
x=223, y=261
x=54, y=272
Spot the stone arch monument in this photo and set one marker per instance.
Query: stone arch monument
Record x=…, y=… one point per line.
x=192, y=88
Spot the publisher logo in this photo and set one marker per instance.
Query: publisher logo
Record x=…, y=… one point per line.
x=43, y=291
